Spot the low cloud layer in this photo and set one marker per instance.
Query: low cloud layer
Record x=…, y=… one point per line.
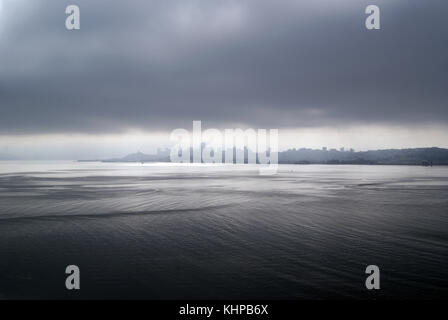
x=158, y=65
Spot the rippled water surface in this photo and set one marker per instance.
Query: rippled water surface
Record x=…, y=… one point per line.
x=162, y=231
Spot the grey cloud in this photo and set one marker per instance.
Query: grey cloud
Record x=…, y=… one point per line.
x=161, y=64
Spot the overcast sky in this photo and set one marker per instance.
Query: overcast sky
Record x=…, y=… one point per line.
x=153, y=66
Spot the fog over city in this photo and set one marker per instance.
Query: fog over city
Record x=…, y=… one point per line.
x=138, y=69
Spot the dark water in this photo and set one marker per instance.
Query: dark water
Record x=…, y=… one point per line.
x=164, y=232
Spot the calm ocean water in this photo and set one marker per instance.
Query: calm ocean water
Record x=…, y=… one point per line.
x=161, y=231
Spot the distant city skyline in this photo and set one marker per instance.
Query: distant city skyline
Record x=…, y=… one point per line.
x=74, y=147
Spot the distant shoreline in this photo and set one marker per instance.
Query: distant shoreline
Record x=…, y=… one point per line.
x=407, y=157
x=287, y=163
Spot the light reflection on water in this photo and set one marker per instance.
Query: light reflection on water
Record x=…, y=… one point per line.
x=170, y=231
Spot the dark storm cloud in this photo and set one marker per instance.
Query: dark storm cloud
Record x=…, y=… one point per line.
x=161, y=64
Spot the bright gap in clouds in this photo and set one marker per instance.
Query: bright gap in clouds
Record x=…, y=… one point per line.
x=93, y=147
x=365, y=137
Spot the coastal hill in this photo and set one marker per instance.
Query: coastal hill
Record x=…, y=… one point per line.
x=161, y=156
x=416, y=156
